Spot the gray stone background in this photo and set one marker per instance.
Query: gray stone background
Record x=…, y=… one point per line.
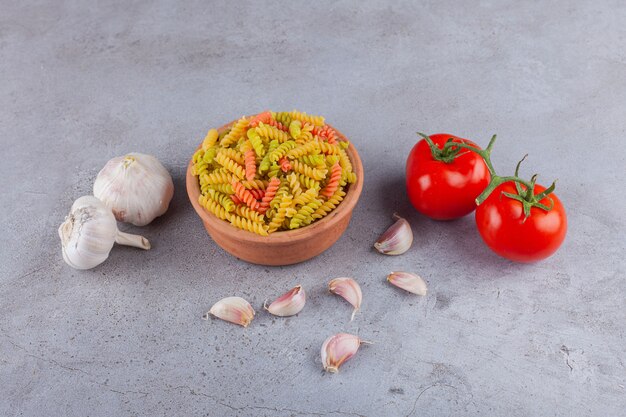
x=82, y=82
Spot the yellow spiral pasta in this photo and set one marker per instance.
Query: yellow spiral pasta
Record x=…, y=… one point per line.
x=304, y=149
x=315, y=120
x=248, y=213
x=249, y=225
x=281, y=213
x=211, y=139
x=219, y=176
x=314, y=173
x=307, y=163
x=330, y=204
x=272, y=133
x=237, y=132
x=214, y=207
x=222, y=188
x=294, y=184
x=305, y=197
x=233, y=154
x=230, y=165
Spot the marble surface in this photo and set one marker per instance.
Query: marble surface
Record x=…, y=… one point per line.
x=85, y=81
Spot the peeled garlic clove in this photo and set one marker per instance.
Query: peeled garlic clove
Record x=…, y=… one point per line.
x=338, y=349
x=89, y=232
x=288, y=304
x=233, y=309
x=348, y=289
x=397, y=239
x=408, y=282
x=136, y=187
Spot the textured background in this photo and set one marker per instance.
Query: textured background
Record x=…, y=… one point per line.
x=82, y=82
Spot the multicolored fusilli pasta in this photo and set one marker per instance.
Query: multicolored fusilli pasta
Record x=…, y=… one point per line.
x=273, y=171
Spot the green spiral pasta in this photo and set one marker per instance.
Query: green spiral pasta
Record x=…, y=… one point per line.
x=223, y=199
x=282, y=150
x=304, y=215
x=308, y=182
x=256, y=141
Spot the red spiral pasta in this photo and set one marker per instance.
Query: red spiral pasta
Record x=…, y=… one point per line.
x=250, y=163
x=325, y=132
x=278, y=125
x=264, y=117
x=333, y=181
x=245, y=195
x=256, y=193
x=236, y=199
x=270, y=193
x=284, y=164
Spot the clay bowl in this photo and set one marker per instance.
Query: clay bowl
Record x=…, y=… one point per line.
x=285, y=247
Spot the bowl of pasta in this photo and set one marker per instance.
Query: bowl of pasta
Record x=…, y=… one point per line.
x=275, y=188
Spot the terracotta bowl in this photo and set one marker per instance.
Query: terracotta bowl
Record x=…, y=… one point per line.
x=285, y=247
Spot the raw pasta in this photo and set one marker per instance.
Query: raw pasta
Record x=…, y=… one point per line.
x=273, y=171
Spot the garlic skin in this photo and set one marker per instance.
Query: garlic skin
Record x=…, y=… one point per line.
x=136, y=187
x=408, y=282
x=232, y=309
x=397, y=239
x=288, y=304
x=89, y=231
x=350, y=290
x=338, y=348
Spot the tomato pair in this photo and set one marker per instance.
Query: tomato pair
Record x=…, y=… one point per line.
x=443, y=183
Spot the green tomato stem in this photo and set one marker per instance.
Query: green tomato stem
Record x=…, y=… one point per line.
x=525, y=196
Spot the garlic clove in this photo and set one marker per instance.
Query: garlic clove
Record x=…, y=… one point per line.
x=89, y=232
x=349, y=289
x=338, y=348
x=233, y=309
x=408, y=282
x=397, y=239
x=288, y=304
x=136, y=187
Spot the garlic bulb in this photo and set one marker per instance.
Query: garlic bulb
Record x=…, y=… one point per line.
x=136, y=187
x=88, y=234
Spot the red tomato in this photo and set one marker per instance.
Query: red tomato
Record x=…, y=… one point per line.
x=440, y=190
x=501, y=224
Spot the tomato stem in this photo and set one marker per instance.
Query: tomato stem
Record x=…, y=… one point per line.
x=525, y=195
x=446, y=155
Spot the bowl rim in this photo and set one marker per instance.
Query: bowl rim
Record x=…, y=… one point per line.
x=344, y=208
